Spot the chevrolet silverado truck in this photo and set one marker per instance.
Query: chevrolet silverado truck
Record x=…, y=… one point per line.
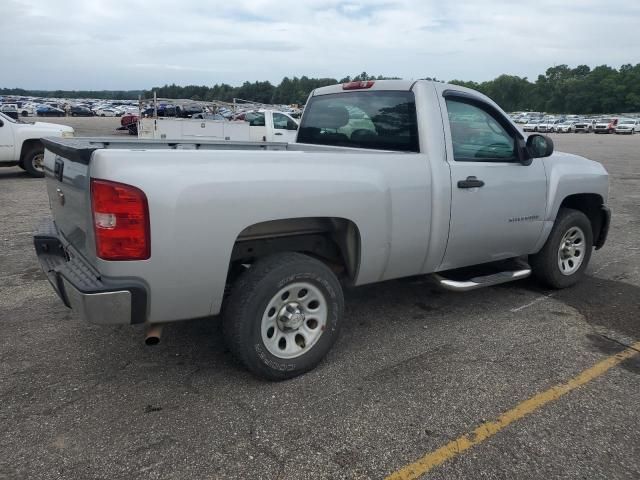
x=386, y=179
x=21, y=145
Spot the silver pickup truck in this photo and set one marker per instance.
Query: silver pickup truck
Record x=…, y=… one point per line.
x=387, y=179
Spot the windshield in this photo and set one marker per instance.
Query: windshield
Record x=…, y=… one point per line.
x=7, y=118
x=381, y=119
x=628, y=122
x=605, y=120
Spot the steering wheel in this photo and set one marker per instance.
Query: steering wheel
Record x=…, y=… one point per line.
x=490, y=151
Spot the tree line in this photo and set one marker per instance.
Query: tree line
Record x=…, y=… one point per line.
x=602, y=89
x=567, y=90
x=288, y=91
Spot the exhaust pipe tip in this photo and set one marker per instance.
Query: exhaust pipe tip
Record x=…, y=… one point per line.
x=150, y=341
x=153, y=335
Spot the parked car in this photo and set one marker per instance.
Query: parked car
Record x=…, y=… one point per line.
x=532, y=125
x=268, y=233
x=21, y=145
x=259, y=126
x=566, y=126
x=106, y=112
x=210, y=116
x=163, y=110
x=77, y=111
x=49, y=111
x=187, y=111
x=129, y=122
x=27, y=109
x=550, y=125
x=585, y=125
x=628, y=126
x=605, y=125
x=10, y=110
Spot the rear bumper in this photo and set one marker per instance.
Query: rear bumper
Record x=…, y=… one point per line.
x=81, y=288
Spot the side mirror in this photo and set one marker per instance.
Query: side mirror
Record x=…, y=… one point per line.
x=539, y=146
x=1, y=123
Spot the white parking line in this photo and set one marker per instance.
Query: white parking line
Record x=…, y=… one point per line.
x=539, y=299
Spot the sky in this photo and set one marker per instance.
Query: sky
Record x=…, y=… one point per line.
x=136, y=44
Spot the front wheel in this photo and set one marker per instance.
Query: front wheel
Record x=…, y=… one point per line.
x=283, y=315
x=564, y=257
x=32, y=162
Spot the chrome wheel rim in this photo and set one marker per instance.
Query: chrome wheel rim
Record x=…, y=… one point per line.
x=38, y=162
x=294, y=320
x=571, y=251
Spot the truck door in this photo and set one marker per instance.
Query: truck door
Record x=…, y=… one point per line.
x=497, y=203
x=284, y=128
x=7, y=143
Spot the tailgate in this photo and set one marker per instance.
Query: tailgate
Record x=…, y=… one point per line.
x=67, y=180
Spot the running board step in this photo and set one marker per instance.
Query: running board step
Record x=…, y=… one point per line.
x=482, y=281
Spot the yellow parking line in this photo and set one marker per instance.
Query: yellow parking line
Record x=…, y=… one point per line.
x=489, y=429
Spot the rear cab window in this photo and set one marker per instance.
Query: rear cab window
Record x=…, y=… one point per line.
x=378, y=119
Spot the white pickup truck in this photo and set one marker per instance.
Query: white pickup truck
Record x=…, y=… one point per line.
x=387, y=179
x=260, y=126
x=20, y=143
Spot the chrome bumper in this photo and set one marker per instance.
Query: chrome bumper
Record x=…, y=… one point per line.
x=95, y=299
x=103, y=308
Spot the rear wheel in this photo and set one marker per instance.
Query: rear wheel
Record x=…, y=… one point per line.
x=565, y=255
x=283, y=315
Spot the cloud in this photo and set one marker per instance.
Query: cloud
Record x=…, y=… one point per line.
x=77, y=44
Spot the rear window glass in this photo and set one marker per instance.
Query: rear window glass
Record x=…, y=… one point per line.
x=384, y=120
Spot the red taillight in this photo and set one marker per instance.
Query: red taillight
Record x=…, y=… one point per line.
x=358, y=85
x=120, y=221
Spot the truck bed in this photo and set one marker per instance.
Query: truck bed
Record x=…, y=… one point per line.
x=80, y=149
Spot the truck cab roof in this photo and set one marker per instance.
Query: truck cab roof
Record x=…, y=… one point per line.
x=367, y=85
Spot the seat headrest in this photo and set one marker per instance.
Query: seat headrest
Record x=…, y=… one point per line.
x=328, y=117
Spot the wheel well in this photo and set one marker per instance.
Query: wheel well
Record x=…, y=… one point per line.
x=590, y=204
x=335, y=241
x=29, y=145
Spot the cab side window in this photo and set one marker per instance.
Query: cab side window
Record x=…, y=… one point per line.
x=477, y=135
x=255, y=119
x=283, y=122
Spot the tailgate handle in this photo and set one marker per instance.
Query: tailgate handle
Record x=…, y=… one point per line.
x=58, y=168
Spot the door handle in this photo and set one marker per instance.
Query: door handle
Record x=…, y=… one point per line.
x=470, y=182
x=277, y=133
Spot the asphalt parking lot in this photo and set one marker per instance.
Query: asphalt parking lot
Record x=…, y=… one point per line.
x=414, y=369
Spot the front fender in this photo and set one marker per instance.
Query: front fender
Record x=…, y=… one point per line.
x=569, y=174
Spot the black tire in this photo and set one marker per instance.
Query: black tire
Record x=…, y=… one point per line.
x=29, y=161
x=250, y=295
x=545, y=262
